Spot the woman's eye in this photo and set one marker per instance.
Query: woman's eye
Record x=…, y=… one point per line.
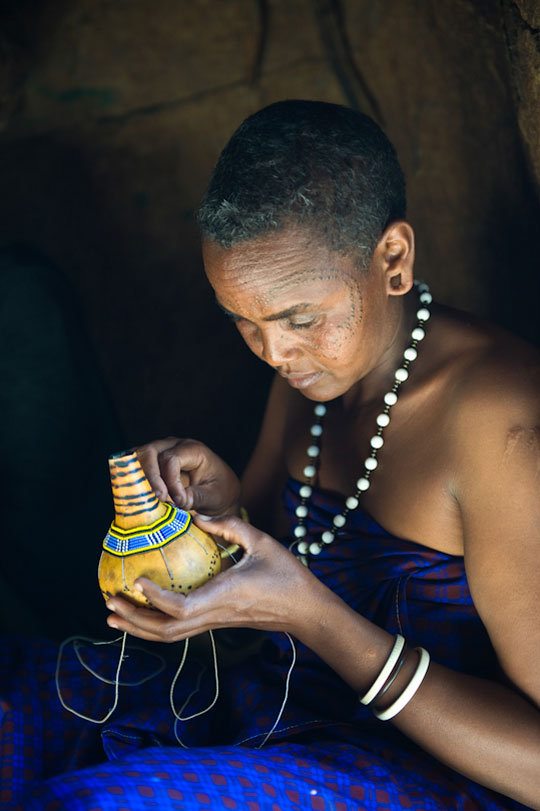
x=301, y=323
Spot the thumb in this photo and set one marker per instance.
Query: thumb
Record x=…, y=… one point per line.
x=231, y=528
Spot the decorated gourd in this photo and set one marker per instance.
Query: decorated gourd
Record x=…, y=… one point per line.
x=150, y=538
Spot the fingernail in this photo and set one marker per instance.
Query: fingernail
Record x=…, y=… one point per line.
x=112, y=624
x=111, y=606
x=137, y=586
x=205, y=517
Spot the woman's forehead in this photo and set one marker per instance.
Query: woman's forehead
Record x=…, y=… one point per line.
x=275, y=265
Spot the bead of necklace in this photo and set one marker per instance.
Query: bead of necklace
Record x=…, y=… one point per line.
x=300, y=546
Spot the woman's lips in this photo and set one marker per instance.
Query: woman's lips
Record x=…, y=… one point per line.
x=302, y=381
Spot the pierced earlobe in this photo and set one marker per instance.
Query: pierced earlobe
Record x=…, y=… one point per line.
x=399, y=283
x=397, y=257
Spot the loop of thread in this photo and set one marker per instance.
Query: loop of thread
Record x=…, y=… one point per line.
x=77, y=640
x=286, y=696
x=177, y=714
x=116, y=682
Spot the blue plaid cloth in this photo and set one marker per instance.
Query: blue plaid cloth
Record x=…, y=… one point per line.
x=327, y=752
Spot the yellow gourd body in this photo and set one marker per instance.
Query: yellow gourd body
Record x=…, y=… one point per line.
x=150, y=538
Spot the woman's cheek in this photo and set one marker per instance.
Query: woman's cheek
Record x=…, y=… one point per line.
x=330, y=343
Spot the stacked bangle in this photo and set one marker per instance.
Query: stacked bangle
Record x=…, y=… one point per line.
x=388, y=666
x=395, y=672
x=402, y=700
x=388, y=675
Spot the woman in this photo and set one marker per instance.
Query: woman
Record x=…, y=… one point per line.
x=405, y=437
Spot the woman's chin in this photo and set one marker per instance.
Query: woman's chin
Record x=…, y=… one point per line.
x=323, y=390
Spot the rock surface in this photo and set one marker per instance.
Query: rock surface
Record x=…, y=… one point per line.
x=114, y=113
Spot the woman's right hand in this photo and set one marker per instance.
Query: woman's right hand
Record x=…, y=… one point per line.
x=269, y=589
x=190, y=475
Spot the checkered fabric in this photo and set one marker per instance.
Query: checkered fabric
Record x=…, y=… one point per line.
x=328, y=752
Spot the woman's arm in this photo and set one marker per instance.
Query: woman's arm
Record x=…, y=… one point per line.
x=482, y=729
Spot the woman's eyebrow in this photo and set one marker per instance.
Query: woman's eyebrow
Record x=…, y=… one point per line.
x=298, y=308
x=295, y=310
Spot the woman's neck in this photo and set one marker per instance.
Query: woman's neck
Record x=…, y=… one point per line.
x=379, y=380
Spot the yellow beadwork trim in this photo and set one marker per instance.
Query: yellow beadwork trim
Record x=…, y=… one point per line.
x=119, y=533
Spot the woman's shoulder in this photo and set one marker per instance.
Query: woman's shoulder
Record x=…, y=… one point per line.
x=492, y=387
x=488, y=368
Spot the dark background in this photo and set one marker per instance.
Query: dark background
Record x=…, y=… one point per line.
x=114, y=112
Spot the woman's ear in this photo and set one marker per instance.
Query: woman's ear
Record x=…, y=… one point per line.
x=396, y=257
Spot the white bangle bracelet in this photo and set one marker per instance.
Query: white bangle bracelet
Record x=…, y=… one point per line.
x=409, y=691
x=388, y=666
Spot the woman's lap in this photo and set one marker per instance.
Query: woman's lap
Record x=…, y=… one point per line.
x=284, y=776
x=52, y=760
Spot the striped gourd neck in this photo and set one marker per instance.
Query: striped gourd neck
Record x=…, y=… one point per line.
x=135, y=503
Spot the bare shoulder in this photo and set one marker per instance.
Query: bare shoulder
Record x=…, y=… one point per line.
x=496, y=453
x=494, y=382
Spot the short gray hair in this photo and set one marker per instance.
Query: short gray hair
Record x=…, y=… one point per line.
x=307, y=163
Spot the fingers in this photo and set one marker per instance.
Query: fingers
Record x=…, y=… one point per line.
x=210, y=486
x=149, y=458
x=165, y=460
x=207, y=498
x=189, y=474
x=178, y=616
x=144, y=622
x=232, y=529
x=170, y=466
x=133, y=630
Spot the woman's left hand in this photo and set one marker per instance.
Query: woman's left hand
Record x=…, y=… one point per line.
x=269, y=589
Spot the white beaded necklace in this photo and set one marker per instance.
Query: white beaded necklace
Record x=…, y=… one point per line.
x=303, y=549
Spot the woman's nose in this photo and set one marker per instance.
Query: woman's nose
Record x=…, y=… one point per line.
x=269, y=342
x=277, y=347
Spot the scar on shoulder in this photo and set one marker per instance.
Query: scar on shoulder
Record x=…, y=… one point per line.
x=523, y=440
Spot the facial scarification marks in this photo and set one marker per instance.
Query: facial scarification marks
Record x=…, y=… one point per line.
x=345, y=327
x=323, y=277
x=524, y=443
x=356, y=302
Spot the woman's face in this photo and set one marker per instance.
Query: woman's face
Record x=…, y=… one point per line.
x=308, y=312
